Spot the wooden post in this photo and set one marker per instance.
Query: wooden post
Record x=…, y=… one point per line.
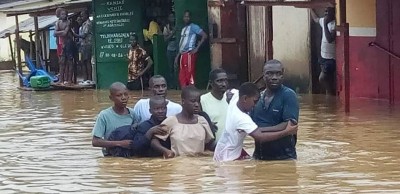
x=37, y=42
x=12, y=52
x=270, y=33
x=30, y=47
x=346, y=54
x=18, y=45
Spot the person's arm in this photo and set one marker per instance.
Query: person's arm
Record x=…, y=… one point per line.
x=211, y=145
x=167, y=35
x=279, y=127
x=144, y=135
x=330, y=36
x=99, y=142
x=149, y=62
x=202, y=40
x=314, y=16
x=155, y=144
x=259, y=136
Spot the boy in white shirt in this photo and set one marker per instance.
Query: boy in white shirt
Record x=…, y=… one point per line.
x=239, y=124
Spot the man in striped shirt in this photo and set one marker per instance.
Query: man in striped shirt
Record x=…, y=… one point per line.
x=188, y=50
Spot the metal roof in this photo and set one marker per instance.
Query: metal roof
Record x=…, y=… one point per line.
x=28, y=25
x=38, y=7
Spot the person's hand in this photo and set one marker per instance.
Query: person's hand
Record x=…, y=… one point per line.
x=158, y=130
x=125, y=143
x=194, y=51
x=168, y=154
x=291, y=129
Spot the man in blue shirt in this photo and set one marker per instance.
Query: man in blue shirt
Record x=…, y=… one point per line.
x=188, y=50
x=276, y=107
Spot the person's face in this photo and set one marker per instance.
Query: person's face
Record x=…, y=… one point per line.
x=186, y=18
x=250, y=102
x=330, y=13
x=159, y=87
x=171, y=18
x=159, y=110
x=220, y=84
x=273, y=75
x=79, y=20
x=120, y=97
x=191, y=103
x=84, y=16
x=63, y=15
x=134, y=42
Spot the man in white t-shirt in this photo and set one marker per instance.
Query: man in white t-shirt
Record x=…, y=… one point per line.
x=328, y=49
x=239, y=124
x=158, y=86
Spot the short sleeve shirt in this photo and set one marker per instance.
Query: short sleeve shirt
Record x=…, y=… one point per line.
x=283, y=107
x=216, y=109
x=238, y=125
x=142, y=109
x=137, y=57
x=187, y=139
x=189, y=37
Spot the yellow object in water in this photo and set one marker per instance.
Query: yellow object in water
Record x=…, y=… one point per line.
x=154, y=28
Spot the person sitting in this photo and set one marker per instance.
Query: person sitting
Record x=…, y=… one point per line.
x=139, y=64
x=189, y=133
x=112, y=118
x=158, y=87
x=142, y=134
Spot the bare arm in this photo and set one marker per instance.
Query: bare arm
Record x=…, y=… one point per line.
x=155, y=144
x=203, y=39
x=149, y=64
x=279, y=127
x=330, y=36
x=259, y=136
x=98, y=142
x=314, y=16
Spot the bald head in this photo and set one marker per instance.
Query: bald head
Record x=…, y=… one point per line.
x=117, y=86
x=273, y=63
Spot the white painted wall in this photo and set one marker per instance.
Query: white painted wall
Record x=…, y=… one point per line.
x=6, y=22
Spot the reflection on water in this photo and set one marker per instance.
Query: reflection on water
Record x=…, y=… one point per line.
x=45, y=147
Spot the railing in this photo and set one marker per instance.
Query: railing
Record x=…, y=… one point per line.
x=374, y=44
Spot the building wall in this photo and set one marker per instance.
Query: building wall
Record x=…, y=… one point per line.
x=369, y=67
x=292, y=45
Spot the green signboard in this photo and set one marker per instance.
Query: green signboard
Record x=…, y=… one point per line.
x=114, y=22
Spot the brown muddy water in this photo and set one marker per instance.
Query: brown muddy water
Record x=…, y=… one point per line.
x=45, y=147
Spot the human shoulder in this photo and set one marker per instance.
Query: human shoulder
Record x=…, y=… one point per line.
x=288, y=92
x=105, y=112
x=205, y=96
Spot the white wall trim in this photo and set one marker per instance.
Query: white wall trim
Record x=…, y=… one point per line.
x=361, y=32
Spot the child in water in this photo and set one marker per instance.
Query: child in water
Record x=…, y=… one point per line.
x=190, y=133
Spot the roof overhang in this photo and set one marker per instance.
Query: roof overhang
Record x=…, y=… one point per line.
x=298, y=3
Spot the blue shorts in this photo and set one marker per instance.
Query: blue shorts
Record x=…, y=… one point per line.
x=328, y=66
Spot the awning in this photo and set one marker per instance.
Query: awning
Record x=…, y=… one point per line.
x=29, y=25
x=41, y=7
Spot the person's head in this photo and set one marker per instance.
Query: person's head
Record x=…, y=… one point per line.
x=58, y=12
x=119, y=94
x=186, y=17
x=158, y=85
x=171, y=18
x=134, y=40
x=63, y=14
x=273, y=74
x=158, y=107
x=218, y=80
x=85, y=15
x=79, y=20
x=330, y=13
x=248, y=96
x=191, y=99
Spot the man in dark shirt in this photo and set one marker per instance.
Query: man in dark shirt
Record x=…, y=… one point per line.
x=277, y=105
x=142, y=134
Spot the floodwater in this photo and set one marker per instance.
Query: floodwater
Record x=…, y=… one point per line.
x=45, y=147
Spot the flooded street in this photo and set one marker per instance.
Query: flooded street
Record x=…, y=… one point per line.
x=45, y=147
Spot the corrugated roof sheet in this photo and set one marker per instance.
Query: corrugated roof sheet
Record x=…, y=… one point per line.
x=29, y=25
x=34, y=6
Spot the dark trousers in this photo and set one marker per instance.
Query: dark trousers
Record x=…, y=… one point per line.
x=172, y=70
